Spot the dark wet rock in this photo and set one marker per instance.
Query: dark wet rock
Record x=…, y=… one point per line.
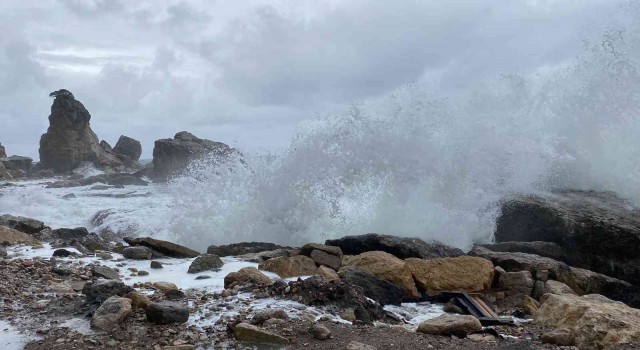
x=3, y=152
x=167, y=312
x=62, y=253
x=264, y=256
x=339, y=295
x=172, y=156
x=137, y=253
x=22, y=224
x=203, y=277
x=545, y=249
x=61, y=271
x=69, y=140
x=243, y=248
x=3, y=252
x=596, y=230
x=580, y=280
x=128, y=147
x=143, y=273
x=126, y=180
x=105, y=272
x=321, y=254
x=401, y=247
x=68, y=234
x=103, y=289
x=164, y=247
x=156, y=265
x=69, y=196
x=205, y=262
x=174, y=294
x=382, y=291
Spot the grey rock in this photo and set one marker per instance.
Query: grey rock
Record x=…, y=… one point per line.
x=156, y=265
x=103, y=289
x=205, y=262
x=265, y=314
x=401, y=247
x=137, y=253
x=320, y=332
x=322, y=258
x=22, y=224
x=68, y=234
x=128, y=147
x=164, y=247
x=114, y=310
x=172, y=156
x=243, y=248
x=167, y=312
x=105, y=272
x=382, y=291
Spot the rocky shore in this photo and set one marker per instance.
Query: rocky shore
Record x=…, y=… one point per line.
x=74, y=289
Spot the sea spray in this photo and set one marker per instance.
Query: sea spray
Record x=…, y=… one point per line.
x=416, y=164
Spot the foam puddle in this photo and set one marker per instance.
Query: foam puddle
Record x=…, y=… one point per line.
x=11, y=338
x=207, y=314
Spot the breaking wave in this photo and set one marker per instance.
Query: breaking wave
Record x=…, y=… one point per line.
x=416, y=164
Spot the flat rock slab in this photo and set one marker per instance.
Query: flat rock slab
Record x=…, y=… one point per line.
x=164, y=247
x=250, y=333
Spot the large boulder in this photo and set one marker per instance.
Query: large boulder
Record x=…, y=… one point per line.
x=172, y=156
x=165, y=247
x=375, y=288
x=580, y=280
x=321, y=254
x=597, y=230
x=128, y=147
x=205, y=262
x=246, y=275
x=401, y=247
x=17, y=163
x=10, y=236
x=167, y=312
x=294, y=266
x=243, y=248
x=23, y=224
x=387, y=267
x=463, y=273
x=546, y=249
x=594, y=321
x=69, y=139
x=102, y=289
x=112, y=311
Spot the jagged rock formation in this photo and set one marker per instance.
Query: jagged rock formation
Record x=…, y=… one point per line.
x=69, y=139
x=106, y=146
x=14, y=166
x=3, y=152
x=128, y=147
x=172, y=156
x=595, y=230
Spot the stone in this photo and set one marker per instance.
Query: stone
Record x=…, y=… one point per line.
x=156, y=265
x=285, y=267
x=167, y=248
x=520, y=282
x=68, y=234
x=545, y=249
x=595, y=321
x=3, y=152
x=321, y=258
x=597, y=231
x=143, y=273
x=138, y=300
x=354, y=345
x=556, y=287
x=10, y=236
x=172, y=156
x=167, y=312
x=580, y=280
x=266, y=255
x=17, y=163
x=120, y=180
x=137, y=253
x=308, y=248
x=69, y=140
x=105, y=272
x=164, y=286
x=373, y=287
x=180, y=347
x=243, y=248
x=250, y=333
x=463, y=273
x=328, y=274
x=458, y=325
x=128, y=147
x=174, y=294
x=530, y=305
x=387, y=267
x=106, y=146
x=265, y=314
x=102, y=289
x=401, y=247
x=205, y=262
x=3, y=252
x=59, y=288
x=22, y=224
x=247, y=275
x=111, y=312
x=320, y=332
x=560, y=337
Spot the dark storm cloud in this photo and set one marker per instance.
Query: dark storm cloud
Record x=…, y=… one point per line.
x=246, y=72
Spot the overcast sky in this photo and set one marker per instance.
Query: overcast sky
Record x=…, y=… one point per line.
x=247, y=72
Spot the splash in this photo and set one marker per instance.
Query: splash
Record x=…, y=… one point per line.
x=414, y=164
